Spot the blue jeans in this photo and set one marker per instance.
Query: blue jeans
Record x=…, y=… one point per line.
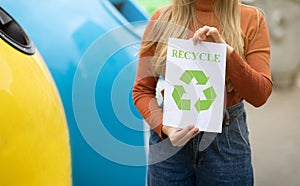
x=226, y=161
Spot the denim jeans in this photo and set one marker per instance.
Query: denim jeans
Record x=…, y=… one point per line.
x=226, y=161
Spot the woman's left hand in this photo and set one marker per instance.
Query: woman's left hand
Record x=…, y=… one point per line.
x=210, y=34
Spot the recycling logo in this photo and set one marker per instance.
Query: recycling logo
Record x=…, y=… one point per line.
x=179, y=91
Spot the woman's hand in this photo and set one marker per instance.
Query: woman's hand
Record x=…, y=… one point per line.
x=179, y=137
x=210, y=34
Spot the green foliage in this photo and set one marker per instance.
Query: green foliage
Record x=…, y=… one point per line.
x=151, y=5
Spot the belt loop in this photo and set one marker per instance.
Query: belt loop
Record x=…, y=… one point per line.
x=227, y=118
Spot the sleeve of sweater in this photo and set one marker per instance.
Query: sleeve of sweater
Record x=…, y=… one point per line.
x=144, y=89
x=252, y=78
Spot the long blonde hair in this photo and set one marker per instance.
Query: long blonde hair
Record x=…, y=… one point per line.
x=176, y=20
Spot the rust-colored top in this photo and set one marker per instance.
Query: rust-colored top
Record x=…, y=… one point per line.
x=251, y=78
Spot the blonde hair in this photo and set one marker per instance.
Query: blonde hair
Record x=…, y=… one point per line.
x=175, y=21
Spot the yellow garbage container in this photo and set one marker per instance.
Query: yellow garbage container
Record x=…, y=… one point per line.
x=34, y=139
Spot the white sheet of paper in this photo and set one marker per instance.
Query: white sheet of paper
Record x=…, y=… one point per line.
x=195, y=82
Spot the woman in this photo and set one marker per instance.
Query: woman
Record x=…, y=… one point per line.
x=227, y=161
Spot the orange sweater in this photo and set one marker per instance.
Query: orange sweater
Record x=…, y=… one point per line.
x=251, y=78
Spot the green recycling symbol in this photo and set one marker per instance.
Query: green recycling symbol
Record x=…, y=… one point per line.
x=179, y=91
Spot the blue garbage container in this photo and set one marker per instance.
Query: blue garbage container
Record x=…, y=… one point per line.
x=92, y=57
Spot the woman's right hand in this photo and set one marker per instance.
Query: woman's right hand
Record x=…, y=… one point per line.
x=179, y=137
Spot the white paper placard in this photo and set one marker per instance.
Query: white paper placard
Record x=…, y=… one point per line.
x=195, y=82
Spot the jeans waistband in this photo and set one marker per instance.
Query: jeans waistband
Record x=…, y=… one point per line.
x=231, y=113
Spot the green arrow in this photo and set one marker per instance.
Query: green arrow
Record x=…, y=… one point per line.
x=199, y=75
x=201, y=78
x=201, y=105
x=180, y=90
x=210, y=93
x=177, y=93
x=187, y=76
x=210, y=96
x=184, y=105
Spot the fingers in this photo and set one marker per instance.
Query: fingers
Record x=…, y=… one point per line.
x=179, y=138
x=189, y=135
x=196, y=132
x=200, y=34
x=181, y=134
x=207, y=33
x=215, y=35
